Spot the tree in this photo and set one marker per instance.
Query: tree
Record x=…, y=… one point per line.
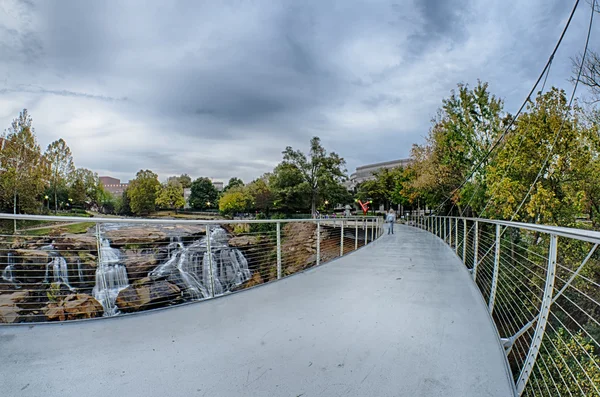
x=317, y=169
x=170, y=195
x=261, y=194
x=203, y=194
x=546, y=163
x=59, y=158
x=233, y=182
x=183, y=179
x=236, y=199
x=123, y=204
x=290, y=192
x=23, y=167
x=92, y=191
x=142, y=192
x=463, y=130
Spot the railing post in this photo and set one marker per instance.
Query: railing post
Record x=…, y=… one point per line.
x=278, y=250
x=465, y=235
x=365, y=232
x=456, y=236
x=318, y=242
x=450, y=232
x=475, y=250
x=355, y=234
x=211, y=276
x=496, y=271
x=342, y=239
x=540, y=328
x=372, y=230
x=445, y=234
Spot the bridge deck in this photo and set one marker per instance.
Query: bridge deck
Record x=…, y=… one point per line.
x=397, y=318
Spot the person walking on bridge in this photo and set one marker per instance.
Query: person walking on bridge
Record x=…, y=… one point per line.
x=391, y=219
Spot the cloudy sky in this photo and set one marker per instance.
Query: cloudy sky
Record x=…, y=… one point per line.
x=220, y=88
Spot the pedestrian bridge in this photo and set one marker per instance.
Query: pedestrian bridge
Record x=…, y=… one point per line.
x=401, y=316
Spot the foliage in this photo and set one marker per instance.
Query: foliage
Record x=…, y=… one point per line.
x=23, y=168
x=142, y=192
x=318, y=170
x=385, y=189
x=464, y=129
x=123, y=204
x=170, y=195
x=236, y=199
x=290, y=191
x=203, y=195
x=261, y=194
x=233, y=182
x=184, y=180
x=544, y=164
x=60, y=160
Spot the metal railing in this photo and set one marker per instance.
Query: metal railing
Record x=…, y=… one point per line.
x=108, y=266
x=541, y=285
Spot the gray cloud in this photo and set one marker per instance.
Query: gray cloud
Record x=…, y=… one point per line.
x=219, y=89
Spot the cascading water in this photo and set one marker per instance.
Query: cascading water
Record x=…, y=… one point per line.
x=8, y=272
x=60, y=271
x=111, y=278
x=192, y=265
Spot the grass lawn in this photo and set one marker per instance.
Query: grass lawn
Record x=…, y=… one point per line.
x=75, y=228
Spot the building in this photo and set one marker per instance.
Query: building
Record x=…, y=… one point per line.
x=113, y=185
x=217, y=184
x=365, y=172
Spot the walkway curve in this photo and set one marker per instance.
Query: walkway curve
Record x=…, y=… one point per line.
x=400, y=317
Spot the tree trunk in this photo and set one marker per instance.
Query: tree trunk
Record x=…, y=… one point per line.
x=313, y=204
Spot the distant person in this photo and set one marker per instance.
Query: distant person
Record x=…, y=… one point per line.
x=391, y=219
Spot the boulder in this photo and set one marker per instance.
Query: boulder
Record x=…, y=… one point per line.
x=139, y=263
x=245, y=241
x=146, y=294
x=9, y=311
x=76, y=242
x=141, y=236
x=72, y=307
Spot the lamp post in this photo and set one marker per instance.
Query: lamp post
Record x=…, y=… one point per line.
x=47, y=202
x=326, y=205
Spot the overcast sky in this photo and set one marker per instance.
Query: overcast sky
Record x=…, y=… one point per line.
x=220, y=88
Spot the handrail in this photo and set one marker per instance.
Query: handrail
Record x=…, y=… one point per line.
x=126, y=265
x=168, y=221
x=541, y=284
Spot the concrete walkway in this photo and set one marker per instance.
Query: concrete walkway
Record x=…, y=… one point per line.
x=397, y=318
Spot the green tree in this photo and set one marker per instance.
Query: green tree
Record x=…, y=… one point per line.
x=290, y=192
x=59, y=158
x=463, y=131
x=233, y=182
x=183, y=179
x=86, y=188
x=203, y=195
x=170, y=195
x=544, y=164
x=23, y=167
x=262, y=197
x=318, y=169
x=142, y=192
x=236, y=199
x=123, y=204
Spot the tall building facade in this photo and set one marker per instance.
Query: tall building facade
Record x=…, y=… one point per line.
x=113, y=185
x=365, y=172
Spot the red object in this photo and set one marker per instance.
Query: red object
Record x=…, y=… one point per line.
x=364, y=206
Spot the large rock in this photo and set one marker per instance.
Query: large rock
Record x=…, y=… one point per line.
x=74, y=306
x=9, y=311
x=245, y=241
x=76, y=242
x=141, y=236
x=146, y=294
x=139, y=263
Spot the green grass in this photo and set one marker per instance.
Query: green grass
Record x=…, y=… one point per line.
x=77, y=228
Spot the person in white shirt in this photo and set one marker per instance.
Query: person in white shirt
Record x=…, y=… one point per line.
x=391, y=219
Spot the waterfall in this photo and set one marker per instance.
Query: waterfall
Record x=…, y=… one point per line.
x=8, y=272
x=111, y=278
x=60, y=271
x=192, y=265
